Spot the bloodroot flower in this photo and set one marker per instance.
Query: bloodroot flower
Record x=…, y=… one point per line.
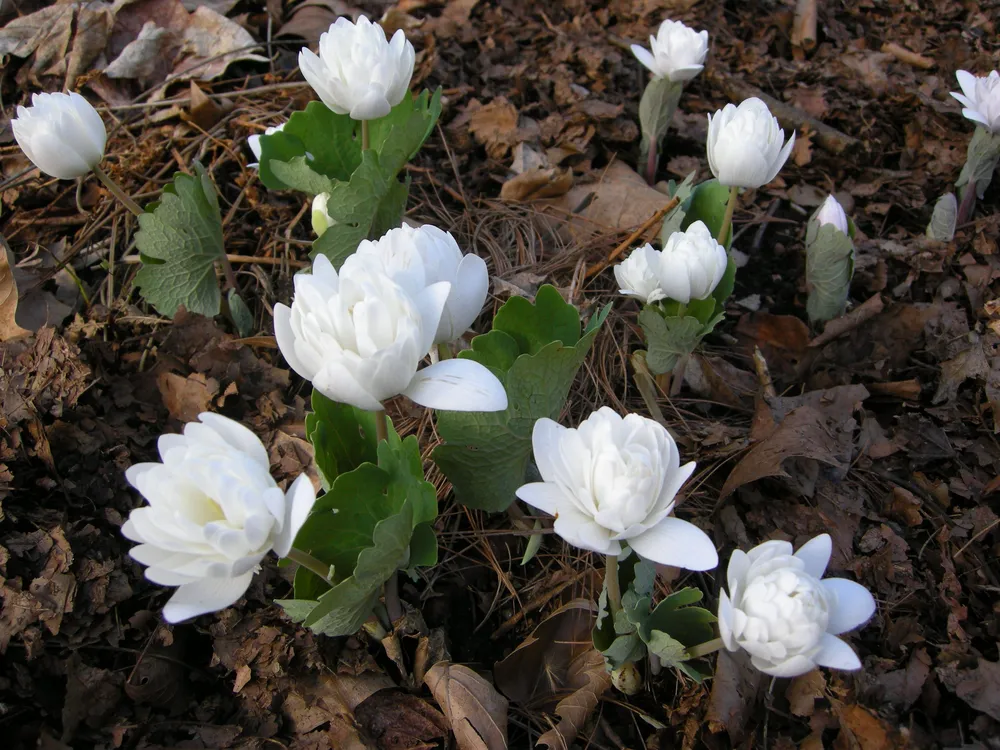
x=214, y=512
x=62, y=134
x=782, y=612
x=746, y=145
x=612, y=481
x=980, y=98
x=358, y=72
x=677, y=52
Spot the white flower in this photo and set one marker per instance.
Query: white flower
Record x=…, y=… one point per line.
x=613, y=480
x=321, y=219
x=692, y=264
x=745, y=145
x=359, y=337
x=357, y=71
x=637, y=275
x=62, y=134
x=418, y=257
x=254, y=142
x=678, y=52
x=981, y=98
x=214, y=512
x=831, y=212
x=784, y=616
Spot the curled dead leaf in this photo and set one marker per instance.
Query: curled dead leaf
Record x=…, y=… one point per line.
x=537, y=183
x=9, y=329
x=477, y=712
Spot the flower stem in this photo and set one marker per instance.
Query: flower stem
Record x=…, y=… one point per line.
x=443, y=351
x=727, y=220
x=682, y=310
x=381, y=430
x=611, y=582
x=393, y=606
x=651, y=164
x=706, y=648
x=364, y=135
x=116, y=190
x=310, y=563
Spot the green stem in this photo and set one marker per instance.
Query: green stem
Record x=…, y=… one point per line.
x=392, y=604
x=444, y=351
x=116, y=190
x=681, y=310
x=309, y=562
x=381, y=430
x=364, y=135
x=727, y=220
x=706, y=648
x=611, y=582
x=651, y=163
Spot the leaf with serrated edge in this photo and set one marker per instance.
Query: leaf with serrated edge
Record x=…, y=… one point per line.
x=180, y=240
x=343, y=436
x=668, y=339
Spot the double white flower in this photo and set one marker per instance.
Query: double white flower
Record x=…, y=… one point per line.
x=62, y=134
x=780, y=611
x=359, y=337
x=746, y=145
x=612, y=481
x=689, y=267
x=678, y=52
x=214, y=512
x=980, y=98
x=417, y=257
x=358, y=72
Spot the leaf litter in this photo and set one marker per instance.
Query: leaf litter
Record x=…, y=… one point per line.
x=883, y=434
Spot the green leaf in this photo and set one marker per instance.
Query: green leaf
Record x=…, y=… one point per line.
x=345, y=607
x=675, y=219
x=242, y=316
x=656, y=110
x=318, y=148
x=297, y=609
x=423, y=547
x=354, y=206
x=980, y=161
x=534, y=544
x=344, y=437
x=944, y=219
x=536, y=351
x=708, y=204
x=669, y=339
x=533, y=326
x=400, y=459
x=671, y=652
x=180, y=240
x=829, y=268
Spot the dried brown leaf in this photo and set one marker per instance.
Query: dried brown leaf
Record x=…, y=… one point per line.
x=477, y=712
x=186, y=397
x=537, y=183
x=979, y=687
x=9, y=329
x=735, y=688
x=803, y=692
x=589, y=671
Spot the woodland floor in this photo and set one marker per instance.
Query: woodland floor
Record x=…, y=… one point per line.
x=897, y=456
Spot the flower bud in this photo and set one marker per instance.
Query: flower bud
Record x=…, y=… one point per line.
x=62, y=134
x=981, y=98
x=637, y=275
x=831, y=212
x=358, y=72
x=746, y=146
x=678, y=52
x=692, y=264
x=780, y=611
x=321, y=220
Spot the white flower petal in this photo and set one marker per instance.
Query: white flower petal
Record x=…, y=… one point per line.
x=204, y=596
x=793, y=667
x=544, y=496
x=836, y=654
x=816, y=554
x=457, y=385
x=677, y=542
x=851, y=605
x=299, y=501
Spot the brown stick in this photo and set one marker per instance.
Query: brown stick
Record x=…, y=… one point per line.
x=804, y=25
x=600, y=266
x=910, y=58
x=828, y=138
x=845, y=323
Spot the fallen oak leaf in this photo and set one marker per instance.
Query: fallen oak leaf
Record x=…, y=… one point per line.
x=589, y=672
x=477, y=712
x=9, y=329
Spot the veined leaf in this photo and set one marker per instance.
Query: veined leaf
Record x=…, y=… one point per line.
x=180, y=240
x=829, y=268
